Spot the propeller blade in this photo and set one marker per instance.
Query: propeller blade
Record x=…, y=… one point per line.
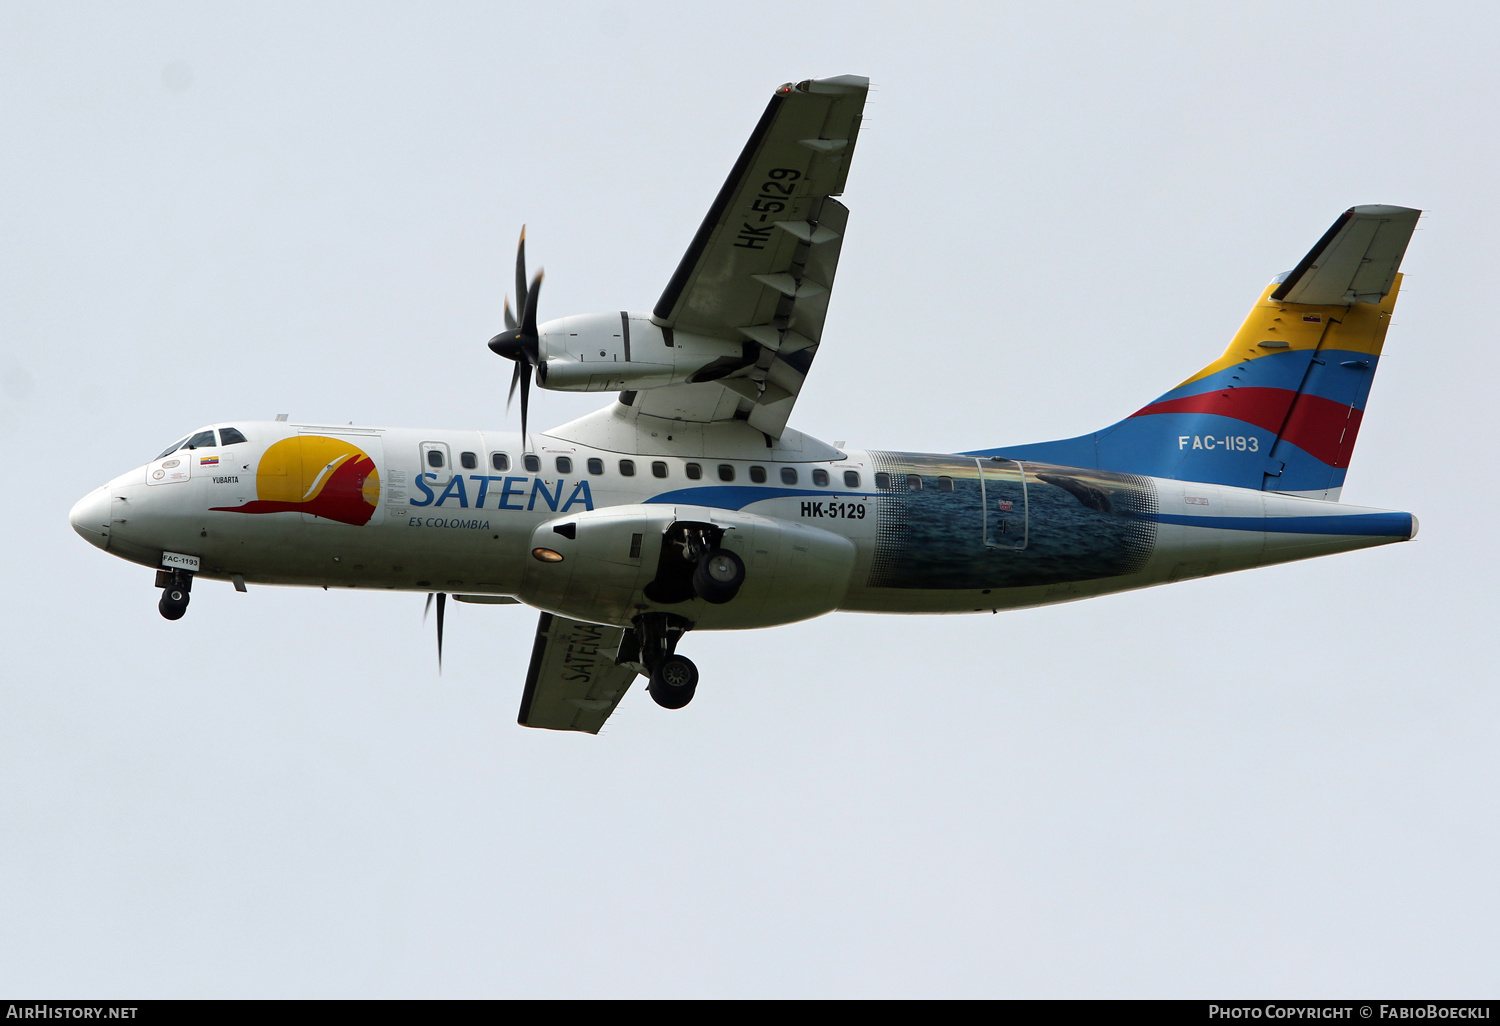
x=521, y=271
x=519, y=343
x=528, y=315
x=427, y=608
x=525, y=393
x=442, y=600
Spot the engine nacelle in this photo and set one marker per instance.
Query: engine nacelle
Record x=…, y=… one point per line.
x=620, y=561
x=620, y=351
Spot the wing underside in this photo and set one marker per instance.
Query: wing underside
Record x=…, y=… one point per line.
x=573, y=682
x=760, y=269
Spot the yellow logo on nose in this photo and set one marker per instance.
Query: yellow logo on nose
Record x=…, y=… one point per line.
x=326, y=477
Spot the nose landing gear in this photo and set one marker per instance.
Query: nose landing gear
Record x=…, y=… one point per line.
x=176, y=587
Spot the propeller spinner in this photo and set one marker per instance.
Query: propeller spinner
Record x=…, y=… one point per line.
x=519, y=342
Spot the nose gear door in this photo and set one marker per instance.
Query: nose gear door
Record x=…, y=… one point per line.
x=1005, y=519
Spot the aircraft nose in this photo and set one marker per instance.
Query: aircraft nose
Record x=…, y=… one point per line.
x=90, y=517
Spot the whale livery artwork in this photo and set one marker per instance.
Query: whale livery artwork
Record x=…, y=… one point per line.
x=687, y=503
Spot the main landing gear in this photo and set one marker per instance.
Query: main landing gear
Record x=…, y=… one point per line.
x=718, y=576
x=692, y=565
x=650, y=647
x=176, y=587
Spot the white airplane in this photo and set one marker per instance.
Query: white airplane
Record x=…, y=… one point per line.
x=688, y=504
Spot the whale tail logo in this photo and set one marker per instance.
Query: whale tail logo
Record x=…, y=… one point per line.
x=325, y=477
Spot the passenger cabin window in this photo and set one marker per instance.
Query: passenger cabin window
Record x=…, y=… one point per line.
x=851, y=479
x=883, y=481
x=533, y=463
x=726, y=472
x=945, y=484
x=914, y=482
x=596, y=466
x=694, y=471
x=169, y=450
x=820, y=478
x=564, y=465
x=658, y=469
x=435, y=459
x=788, y=475
x=231, y=436
x=202, y=440
x=468, y=460
x=627, y=468
x=499, y=461
x=758, y=475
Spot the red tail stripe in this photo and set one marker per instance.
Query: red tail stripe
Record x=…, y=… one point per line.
x=1264, y=407
x=1322, y=428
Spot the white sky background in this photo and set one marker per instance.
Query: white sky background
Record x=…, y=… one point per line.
x=1277, y=783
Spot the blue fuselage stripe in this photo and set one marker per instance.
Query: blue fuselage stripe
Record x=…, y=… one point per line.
x=1378, y=525
x=740, y=496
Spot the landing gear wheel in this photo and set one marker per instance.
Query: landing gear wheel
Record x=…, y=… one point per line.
x=674, y=682
x=174, y=602
x=719, y=576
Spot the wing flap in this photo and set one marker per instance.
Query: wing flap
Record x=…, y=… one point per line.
x=573, y=682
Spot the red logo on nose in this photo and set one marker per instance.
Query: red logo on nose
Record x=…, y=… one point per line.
x=325, y=477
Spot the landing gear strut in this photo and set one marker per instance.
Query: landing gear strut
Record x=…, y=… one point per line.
x=650, y=646
x=176, y=586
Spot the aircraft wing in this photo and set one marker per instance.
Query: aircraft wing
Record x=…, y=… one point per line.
x=760, y=269
x=573, y=682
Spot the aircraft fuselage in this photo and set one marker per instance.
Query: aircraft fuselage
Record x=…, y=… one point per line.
x=818, y=529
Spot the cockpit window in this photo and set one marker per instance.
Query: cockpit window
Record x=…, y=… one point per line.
x=169, y=450
x=231, y=436
x=202, y=440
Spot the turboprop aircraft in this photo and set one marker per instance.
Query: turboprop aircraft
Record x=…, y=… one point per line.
x=688, y=504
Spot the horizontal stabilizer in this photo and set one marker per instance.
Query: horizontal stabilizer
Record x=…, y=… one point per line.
x=1355, y=261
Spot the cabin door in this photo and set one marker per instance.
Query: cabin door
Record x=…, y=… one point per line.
x=1005, y=522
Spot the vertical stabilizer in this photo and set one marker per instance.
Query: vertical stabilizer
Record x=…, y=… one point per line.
x=1280, y=410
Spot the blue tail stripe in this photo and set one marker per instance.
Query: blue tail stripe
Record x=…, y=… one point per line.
x=1153, y=446
x=1274, y=370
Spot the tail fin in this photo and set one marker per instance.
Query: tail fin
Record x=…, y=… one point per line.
x=1281, y=409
